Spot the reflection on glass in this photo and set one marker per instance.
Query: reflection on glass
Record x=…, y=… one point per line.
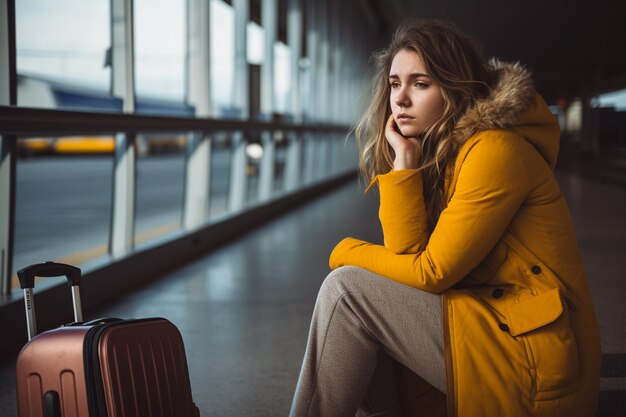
x=160, y=185
x=62, y=200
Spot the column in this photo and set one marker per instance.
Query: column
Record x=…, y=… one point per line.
x=123, y=216
x=238, y=178
x=269, y=21
x=198, y=152
x=8, y=97
x=294, y=39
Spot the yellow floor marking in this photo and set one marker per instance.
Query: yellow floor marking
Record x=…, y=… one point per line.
x=154, y=233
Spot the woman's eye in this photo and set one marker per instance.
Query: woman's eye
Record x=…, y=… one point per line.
x=395, y=85
x=421, y=84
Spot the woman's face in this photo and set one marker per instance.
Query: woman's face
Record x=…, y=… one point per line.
x=416, y=101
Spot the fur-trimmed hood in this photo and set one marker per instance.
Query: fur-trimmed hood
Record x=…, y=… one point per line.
x=514, y=105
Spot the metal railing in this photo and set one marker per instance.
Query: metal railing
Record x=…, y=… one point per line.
x=318, y=147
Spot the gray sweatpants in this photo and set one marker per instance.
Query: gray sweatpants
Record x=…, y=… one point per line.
x=362, y=323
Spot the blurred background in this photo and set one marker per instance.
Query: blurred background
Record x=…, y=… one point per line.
x=65, y=52
x=140, y=135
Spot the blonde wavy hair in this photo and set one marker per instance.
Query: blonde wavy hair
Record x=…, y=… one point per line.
x=456, y=64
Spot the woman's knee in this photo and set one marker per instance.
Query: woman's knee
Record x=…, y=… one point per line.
x=345, y=279
x=335, y=280
x=338, y=281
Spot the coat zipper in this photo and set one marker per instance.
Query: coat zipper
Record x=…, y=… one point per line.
x=447, y=352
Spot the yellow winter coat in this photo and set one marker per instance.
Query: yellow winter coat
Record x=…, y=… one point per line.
x=521, y=336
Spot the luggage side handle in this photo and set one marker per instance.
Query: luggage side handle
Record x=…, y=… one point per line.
x=48, y=269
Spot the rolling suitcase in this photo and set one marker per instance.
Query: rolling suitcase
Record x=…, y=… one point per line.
x=102, y=368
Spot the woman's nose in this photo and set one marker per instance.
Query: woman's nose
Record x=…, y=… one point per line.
x=402, y=99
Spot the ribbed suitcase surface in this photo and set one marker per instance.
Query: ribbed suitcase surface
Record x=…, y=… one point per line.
x=144, y=370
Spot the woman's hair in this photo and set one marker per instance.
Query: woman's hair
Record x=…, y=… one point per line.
x=455, y=63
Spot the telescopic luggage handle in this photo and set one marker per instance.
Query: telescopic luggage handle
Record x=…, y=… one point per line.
x=48, y=269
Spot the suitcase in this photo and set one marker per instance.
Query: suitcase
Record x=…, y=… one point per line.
x=101, y=368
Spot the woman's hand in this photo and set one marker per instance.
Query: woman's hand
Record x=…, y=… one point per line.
x=408, y=150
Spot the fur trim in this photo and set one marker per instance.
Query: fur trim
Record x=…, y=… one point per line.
x=512, y=93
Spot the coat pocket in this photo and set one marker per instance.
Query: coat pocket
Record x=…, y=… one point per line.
x=544, y=326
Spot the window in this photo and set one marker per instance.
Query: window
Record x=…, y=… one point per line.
x=61, y=54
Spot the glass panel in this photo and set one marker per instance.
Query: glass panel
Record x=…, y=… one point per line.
x=220, y=174
x=331, y=155
x=282, y=78
x=304, y=162
x=254, y=155
x=346, y=149
x=616, y=99
x=609, y=114
x=61, y=54
x=222, y=58
x=280, y=157
x=160, y=185
x=322, y=167
x=305, y=88
x=255, y=43
x=63, y=200
x=337, y=153
x=160, y=33
x=313, y=157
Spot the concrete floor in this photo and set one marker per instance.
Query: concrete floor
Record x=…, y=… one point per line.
x=244, y=310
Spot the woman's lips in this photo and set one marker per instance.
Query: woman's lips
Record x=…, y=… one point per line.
x=405, y=119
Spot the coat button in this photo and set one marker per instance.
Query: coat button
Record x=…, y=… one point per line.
x=536, y=269
x=497, y=293
x=503, y=327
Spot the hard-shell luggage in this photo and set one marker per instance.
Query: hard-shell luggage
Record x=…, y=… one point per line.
x=102, y=368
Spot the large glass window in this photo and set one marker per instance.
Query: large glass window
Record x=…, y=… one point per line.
x=282, y=78
x=160, y=33
x=64, y=184
x=62, y=199
x=221, y=154
x=61, y=49
x=160, y=185
x=255, y=43
x=222, y=58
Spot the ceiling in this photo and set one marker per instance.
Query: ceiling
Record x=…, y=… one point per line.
x=570, y=46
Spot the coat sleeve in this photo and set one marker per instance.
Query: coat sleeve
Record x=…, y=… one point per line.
x=493, y=182
x=402, y=211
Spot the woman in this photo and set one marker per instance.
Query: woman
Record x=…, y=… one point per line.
x=479, y=291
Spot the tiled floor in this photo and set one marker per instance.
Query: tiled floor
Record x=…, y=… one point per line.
x=244, y=309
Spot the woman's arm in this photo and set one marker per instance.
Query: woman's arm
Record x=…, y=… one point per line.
x=493, y=182
x=402, y=211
